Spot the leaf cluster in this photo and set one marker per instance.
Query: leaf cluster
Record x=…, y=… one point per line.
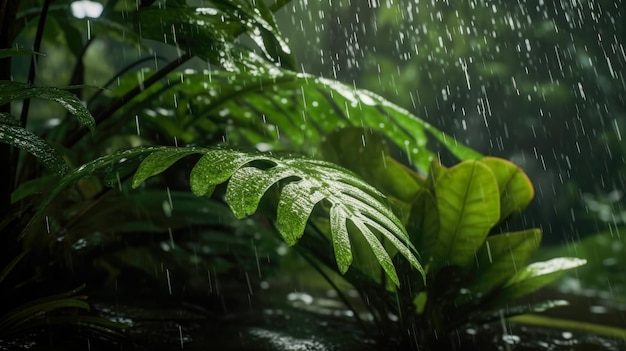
x=455, y=217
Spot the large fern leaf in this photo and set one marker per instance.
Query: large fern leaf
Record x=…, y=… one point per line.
x=286, y=110
x=308, y=183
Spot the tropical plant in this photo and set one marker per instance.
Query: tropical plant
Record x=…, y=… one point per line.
x=234, y=116
x=475, y=268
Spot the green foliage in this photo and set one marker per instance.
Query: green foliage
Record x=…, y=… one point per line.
x=472, y=269
x=118, y=205
x=351, y=199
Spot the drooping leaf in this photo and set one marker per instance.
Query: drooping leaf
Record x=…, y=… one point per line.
x=282, y=109
x=13, y=134
x=467, y=199
x=11, y=91
x=309, y=182
x=516, y=190
x=535, y=276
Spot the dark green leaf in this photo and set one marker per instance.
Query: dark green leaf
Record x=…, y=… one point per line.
x=502, y=256
x=158, y=162
x=100, y=165
x=11, y=91
x=13, y=134
x=366, y=153
x=423, y=224
x=4, y=53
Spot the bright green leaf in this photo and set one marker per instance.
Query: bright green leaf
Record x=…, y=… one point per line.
x=535, y=276
x=158, y=162
x=468, y=203
x=516, y=190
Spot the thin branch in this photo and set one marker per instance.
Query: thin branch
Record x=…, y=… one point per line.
x=32, y=72
x=74, y=137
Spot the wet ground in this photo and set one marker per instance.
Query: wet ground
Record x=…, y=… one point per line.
x=306, y=322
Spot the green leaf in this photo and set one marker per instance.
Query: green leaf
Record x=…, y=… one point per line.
x=308, y=183
x=101, y=165
x=4, y=53
x=282, y=109
x=9, y=267
x=34, y=186
x=11, y=91
x=158, y=162
x=261, y=26
x=502, y=256
x=13, y=134
x=516, y=190
x=468, y=203
x=423, y=224
x=214, y=168
x=536, y=275
x=366, y=153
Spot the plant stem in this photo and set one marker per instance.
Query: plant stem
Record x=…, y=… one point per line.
x=74, y=137
x=32, y=71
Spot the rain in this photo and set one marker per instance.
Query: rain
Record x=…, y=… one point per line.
x=313, y=175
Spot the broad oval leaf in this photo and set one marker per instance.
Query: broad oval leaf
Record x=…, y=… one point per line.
x=468, y=203
x=516, y=190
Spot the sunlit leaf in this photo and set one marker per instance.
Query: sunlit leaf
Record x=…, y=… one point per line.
x=516, y=190
x=535, y=276
x=11, y=91
x=467, y=199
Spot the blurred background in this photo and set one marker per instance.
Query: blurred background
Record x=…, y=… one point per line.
x=538, y=82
